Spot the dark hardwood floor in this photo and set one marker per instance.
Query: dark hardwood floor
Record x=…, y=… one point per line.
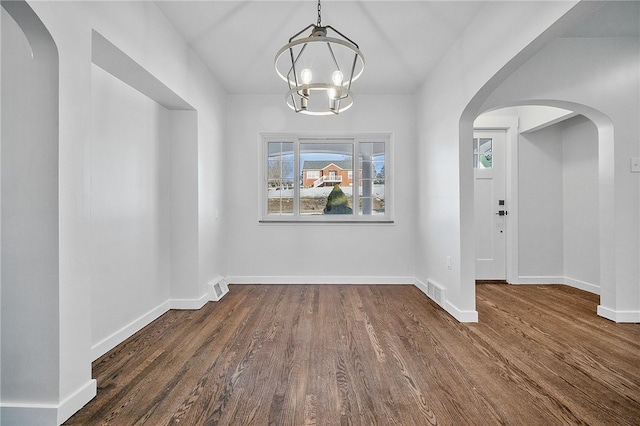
x=374, y=355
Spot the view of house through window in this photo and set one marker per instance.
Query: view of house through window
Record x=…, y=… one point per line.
x=317, y=178
x=330, y=162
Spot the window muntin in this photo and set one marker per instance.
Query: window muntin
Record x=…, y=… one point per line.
x=327, y=189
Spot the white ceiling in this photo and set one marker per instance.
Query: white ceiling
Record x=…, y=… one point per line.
x=402, y=40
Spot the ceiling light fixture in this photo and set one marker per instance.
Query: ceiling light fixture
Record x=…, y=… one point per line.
x=319, y=70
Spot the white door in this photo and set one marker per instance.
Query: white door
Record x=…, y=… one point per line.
x=491, y=207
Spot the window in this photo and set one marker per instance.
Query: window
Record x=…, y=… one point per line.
x=482, y=153
x=311, y=178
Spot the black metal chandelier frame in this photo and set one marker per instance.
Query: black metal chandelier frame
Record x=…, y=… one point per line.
x=328, y=97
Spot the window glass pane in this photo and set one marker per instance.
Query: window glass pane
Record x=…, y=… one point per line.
x=321, y=179
x=372, y=178
x=325, y=185
x=482, y=153
x=280, y=179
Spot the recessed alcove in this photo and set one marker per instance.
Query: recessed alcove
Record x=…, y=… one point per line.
x=144, y=198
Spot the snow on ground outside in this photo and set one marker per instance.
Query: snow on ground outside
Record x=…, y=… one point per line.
x=321, y=192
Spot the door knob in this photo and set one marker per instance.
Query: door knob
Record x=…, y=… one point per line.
x=502, y=213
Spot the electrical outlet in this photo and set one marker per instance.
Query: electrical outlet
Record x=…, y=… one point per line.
x=635, y=165
x=448, y=262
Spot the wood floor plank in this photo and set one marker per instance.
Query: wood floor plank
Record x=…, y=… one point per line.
x=373, y=355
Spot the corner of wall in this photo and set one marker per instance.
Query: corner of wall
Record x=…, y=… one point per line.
x=619, y=316
x=47, y=414
x=128, y=330
x=437, y=293
x=218, y=288
x=74, y=402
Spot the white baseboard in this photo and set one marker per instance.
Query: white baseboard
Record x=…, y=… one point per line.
x=33, y=414
x=192, y=304
x=571, y=282
x=319, y=280
x=437, y=293
x=77, y=400
x=422, y=287
x=138, y=324
x=619, y=316
x=459, y=314
x=128, y=330
x=582, y=285
x=539, y=280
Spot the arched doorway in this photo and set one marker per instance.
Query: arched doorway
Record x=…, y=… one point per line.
x=29, y=219
x=604, y=214
x=552, y=225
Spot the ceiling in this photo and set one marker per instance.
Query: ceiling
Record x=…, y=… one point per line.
x=402, y=40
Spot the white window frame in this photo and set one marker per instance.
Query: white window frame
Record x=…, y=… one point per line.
x=297, y=139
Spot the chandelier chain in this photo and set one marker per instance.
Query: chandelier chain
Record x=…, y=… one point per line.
x=319, y=15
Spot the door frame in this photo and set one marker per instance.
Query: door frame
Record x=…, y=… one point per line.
x=508, y=124
x=489, y=188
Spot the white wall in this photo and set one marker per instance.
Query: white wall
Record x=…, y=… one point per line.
x=141, y=31
x=29, y=200
x=599, y=78
x=581, y=198
x=558, y=220
x=464, y=76
x=289, y=252
x=130, y=232
x=541, y=205
x=183, y=158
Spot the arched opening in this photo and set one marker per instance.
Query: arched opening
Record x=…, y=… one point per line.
x=568, y=72
x=29, y=219
x=583, y=262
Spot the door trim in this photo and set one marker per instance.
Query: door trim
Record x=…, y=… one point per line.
x=489, y=189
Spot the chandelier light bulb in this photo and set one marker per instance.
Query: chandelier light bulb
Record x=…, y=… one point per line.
x=332, y=93
x=337, y=77
x=306, y=75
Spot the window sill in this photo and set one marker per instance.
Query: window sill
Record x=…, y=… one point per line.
x=325, y=222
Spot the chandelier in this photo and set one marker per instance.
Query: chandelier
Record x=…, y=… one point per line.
x=319, y=69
